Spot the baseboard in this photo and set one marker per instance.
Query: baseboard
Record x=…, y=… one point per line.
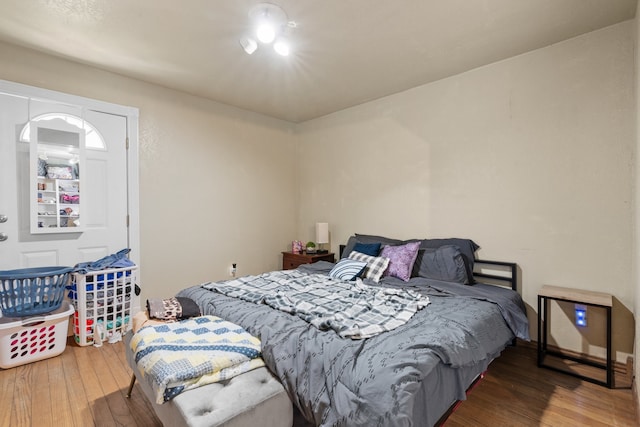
x=623, y=371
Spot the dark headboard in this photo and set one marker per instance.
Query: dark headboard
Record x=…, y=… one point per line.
x=508, y=272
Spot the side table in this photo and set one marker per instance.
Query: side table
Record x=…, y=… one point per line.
x=291, y=260
x=576, y=296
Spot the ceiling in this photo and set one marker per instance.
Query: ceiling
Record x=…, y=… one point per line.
x=345, y=52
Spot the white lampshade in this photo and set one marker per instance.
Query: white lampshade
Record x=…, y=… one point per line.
x=322, y=232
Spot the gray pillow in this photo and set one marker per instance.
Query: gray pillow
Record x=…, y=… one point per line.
x=467, y=248
x=367, y=239
x=444, y=263
x=384, y=241
x=348, y=248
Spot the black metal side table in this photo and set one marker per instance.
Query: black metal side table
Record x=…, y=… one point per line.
x=576, y=296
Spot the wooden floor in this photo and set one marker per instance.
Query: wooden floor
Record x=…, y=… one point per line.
x=515, y=392
x=86, y=386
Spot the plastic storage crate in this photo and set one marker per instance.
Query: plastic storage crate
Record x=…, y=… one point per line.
x=102, y=301
x=35, y=338
x=32, y=291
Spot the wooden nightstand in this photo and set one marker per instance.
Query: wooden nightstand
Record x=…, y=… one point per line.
x=576, y=296
x=291, y=260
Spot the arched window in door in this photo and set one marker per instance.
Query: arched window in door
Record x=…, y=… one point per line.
x=93, y=138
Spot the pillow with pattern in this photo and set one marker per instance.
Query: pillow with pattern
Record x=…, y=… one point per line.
x=347, y=269
x=375, y=265
x=401, y=259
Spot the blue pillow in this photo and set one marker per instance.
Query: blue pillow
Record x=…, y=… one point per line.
x=347, y=269
x=372, y=249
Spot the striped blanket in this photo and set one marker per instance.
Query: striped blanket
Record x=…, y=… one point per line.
x=176, y=357
x=354, y=310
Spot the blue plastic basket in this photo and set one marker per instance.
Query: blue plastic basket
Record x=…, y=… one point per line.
x=32, y=291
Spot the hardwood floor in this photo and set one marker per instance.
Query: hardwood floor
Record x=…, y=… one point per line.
x=515, y=392
x=86, y=386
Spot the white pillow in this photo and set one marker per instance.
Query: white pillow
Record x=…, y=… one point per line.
x=347, y=269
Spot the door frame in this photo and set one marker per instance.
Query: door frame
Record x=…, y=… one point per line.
x=133, y=178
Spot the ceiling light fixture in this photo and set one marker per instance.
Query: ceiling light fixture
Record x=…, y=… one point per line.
x=281, y=46
x=270, y=23
x=266, y=32
x=248, y=44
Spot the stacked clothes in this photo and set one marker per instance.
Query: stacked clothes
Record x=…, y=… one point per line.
x=117, y=260
x=172, y=309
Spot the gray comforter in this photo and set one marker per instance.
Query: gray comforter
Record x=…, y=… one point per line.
x=376, y=381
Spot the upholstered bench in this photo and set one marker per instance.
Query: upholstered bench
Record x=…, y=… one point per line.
x=254, y=398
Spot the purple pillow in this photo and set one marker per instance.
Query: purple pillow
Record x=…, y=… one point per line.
x=401, y=259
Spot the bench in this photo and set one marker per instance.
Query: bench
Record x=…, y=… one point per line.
x=254, y=398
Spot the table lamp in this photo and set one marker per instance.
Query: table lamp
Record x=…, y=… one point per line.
x=322, y=236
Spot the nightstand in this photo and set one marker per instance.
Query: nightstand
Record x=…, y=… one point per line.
x=291, y=260
x=576, y=296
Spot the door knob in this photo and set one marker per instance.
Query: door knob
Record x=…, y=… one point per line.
x=3, y=237
x=3, y=218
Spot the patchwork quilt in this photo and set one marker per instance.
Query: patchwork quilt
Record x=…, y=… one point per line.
x=352, y=309
x=176, y=357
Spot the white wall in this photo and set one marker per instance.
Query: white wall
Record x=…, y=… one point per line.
x=636, y=251
x=217, y=184
x=530, y=157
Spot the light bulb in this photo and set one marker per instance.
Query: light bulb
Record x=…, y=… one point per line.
x=249, y=45
x=265, y=32
x=281, y=47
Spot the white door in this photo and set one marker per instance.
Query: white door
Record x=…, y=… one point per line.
x=103, y=184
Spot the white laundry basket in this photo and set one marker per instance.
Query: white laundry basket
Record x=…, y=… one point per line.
x=29, y=339
x=103, y=301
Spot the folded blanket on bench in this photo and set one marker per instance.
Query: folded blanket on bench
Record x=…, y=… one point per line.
x=176, y=357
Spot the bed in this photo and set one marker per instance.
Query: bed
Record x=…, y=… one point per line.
x=409, y=375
